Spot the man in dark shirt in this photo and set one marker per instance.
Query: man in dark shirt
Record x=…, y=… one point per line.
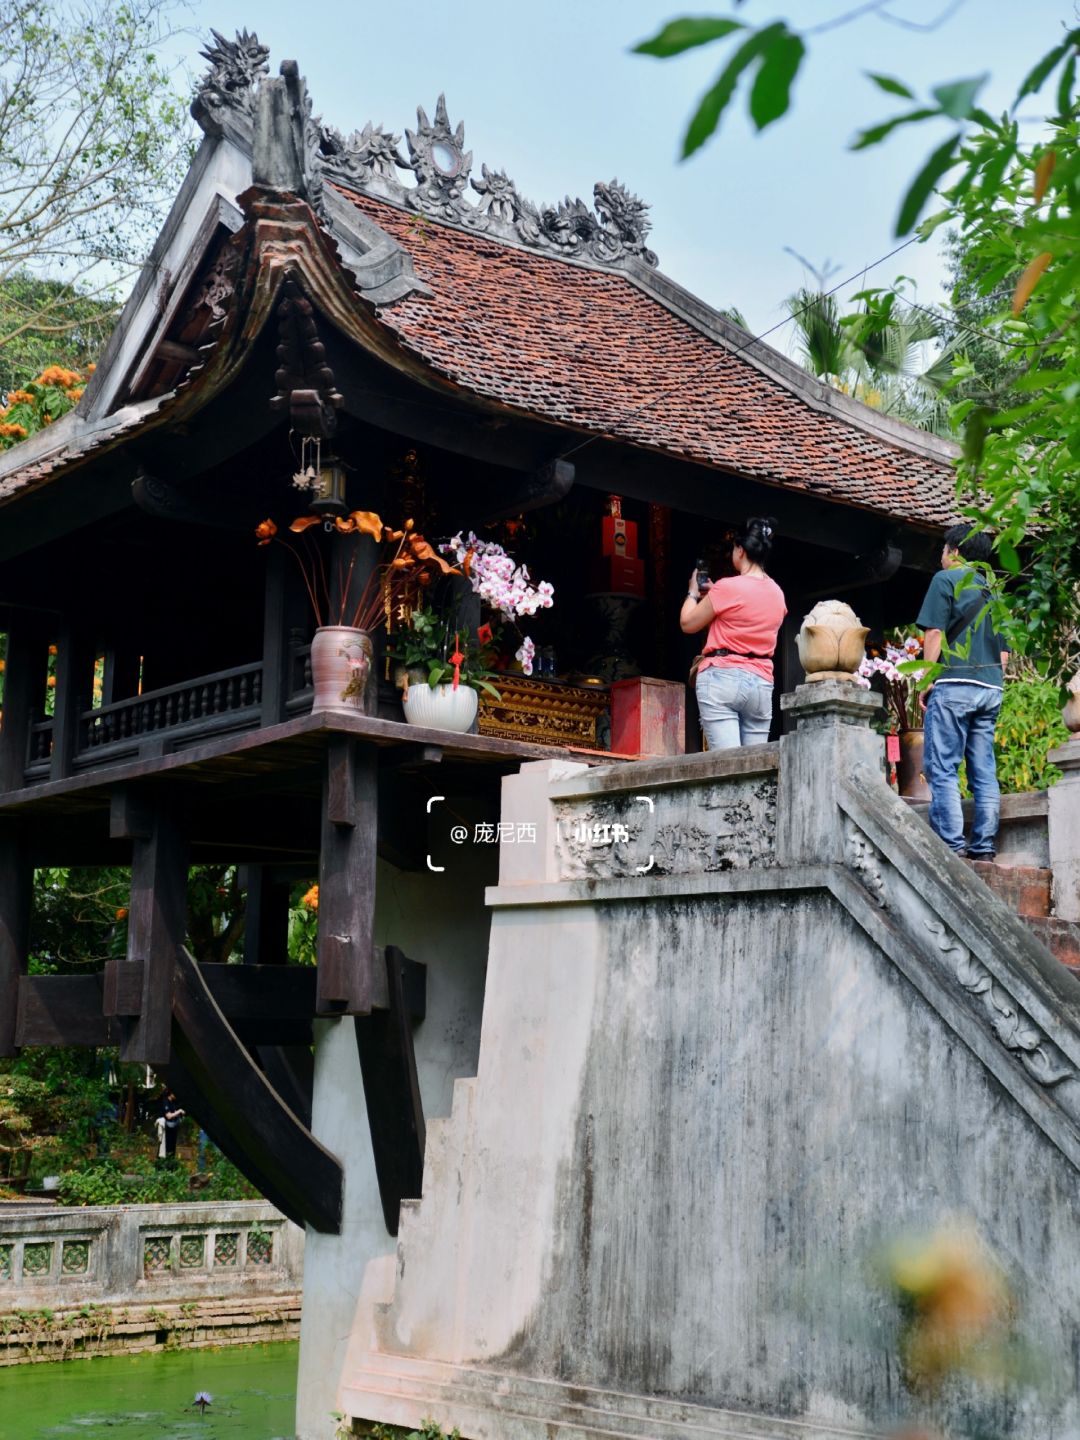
x=964, y=701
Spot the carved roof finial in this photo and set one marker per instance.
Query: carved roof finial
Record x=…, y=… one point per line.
x=236, y=66
x=369, y=160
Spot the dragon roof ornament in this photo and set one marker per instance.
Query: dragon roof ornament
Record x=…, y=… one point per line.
x=609, y=233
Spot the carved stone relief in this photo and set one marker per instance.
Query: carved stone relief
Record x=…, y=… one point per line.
x=1013, y=1028
x=693, y=830
x=864, y=859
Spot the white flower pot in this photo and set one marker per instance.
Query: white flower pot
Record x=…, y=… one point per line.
x=443, y=708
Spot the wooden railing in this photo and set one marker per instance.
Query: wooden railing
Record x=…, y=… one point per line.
x=208, y=705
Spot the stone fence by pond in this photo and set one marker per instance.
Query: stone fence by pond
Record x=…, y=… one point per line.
x=137, y=1277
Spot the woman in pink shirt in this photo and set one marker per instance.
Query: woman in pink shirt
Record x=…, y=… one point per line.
x=742, y=615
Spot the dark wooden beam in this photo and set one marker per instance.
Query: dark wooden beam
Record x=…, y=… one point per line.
x=157, y=923
x=16, y=896
x=122, y=989
x=545, y=486
x=266, y=915
x=24, y=693
x=392, y=1093
x=64, y=1010
x=290, y=1069
x=347, y=878
x=216, y=1079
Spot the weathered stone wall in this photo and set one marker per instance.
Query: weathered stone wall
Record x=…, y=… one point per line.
x=441, y=921
x=724, y=1057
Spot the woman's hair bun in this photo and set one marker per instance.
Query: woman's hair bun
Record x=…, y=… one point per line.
x=756, y=537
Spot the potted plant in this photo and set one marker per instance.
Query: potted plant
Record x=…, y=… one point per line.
x=504, y=588
x=342, y=648
x=905, y=714
x=442, y=668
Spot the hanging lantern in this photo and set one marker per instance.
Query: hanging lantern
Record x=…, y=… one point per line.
x=328, y=492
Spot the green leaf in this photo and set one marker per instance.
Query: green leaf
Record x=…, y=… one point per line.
x=771, y=92
x=1039, y=72
x=891, y=86
x=678, y=36
x=1065, y=86
x=922, y=187
x=957, y=98
x=1009, y=558
x=877, y=133
x=975, y=434
x=715, y=101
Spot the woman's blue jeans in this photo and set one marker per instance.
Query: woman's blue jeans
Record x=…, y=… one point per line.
x=960, y=719
x=735, y=707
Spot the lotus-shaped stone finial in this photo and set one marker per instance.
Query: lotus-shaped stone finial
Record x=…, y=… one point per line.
x=831, y=641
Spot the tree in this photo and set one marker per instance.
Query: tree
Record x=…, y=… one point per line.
x=48, y=323
x=93, y=139
x=1014, y=206
x=877, y=353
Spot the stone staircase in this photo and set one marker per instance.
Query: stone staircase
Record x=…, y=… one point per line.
x=1021, y=875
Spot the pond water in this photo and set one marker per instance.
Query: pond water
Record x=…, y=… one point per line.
x=148, y=1397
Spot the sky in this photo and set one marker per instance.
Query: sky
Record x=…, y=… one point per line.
x=550, y=92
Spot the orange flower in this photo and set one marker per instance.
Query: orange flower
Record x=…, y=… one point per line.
x=57, y=375
x=122, y=913
x=20, y=397
x=311, y=898
x=51, y=682
x=90, y=369
x=304, y=522
x=75, y=395
x=265, y=531
x=11, y=430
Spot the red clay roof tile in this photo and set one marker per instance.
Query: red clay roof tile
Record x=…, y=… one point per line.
x=589, y=348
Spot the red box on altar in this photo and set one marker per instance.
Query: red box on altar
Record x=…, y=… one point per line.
x=648, y=717
x=619, y=537
x=619, y=575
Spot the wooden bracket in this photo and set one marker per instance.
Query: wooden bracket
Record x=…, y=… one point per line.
x=391, y=1087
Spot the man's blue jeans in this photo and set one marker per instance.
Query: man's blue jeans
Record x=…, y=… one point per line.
x=960, y=720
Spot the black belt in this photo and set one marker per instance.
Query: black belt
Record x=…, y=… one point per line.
x=735, y=654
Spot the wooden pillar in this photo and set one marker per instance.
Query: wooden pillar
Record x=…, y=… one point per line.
x=120, y=674
x=276, y=620
x=266, y=916
x=24, y=694
x=74, y=693
x=347, y=879
x=16, y=894
x=157, y=919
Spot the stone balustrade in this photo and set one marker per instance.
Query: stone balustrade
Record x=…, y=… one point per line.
x=134, y=1254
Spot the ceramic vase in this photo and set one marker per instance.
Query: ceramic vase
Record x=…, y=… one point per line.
x=910, y=781
x=443, y=708
x=341, y=670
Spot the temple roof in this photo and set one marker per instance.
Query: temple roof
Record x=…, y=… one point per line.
x=591, y=348
x=555, y=312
